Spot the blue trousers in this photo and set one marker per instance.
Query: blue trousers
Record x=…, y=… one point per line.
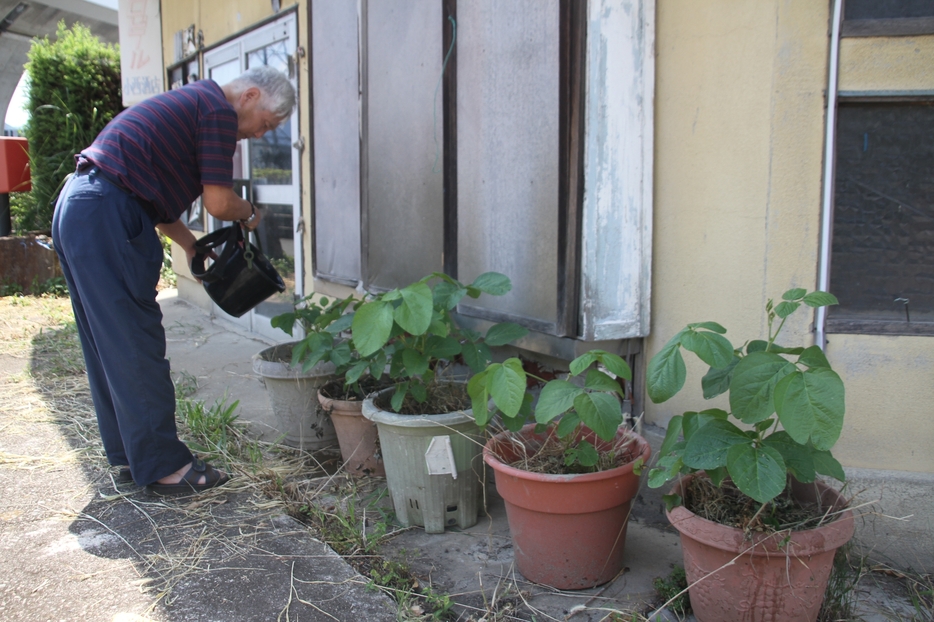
x=111, y=257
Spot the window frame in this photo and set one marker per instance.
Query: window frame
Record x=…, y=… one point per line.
x=853, y=326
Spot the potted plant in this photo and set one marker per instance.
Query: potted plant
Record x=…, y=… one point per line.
x=568, y=483
x=758, y=531
x=428, y=437
x=293, y=372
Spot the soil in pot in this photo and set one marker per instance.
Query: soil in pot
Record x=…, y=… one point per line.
x=760, y=573
x=443, y=397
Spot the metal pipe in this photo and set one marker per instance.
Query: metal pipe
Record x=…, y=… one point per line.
x=823, y=266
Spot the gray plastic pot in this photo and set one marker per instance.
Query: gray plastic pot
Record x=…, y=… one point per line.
x=433, y=465
x=293, y=397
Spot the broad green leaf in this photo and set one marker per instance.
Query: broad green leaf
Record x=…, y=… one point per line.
x=820, y=299
x=585, y=454
x=447, y=295
x=492, y=283
x=765, y=424
x=666, y=469
x=582, y=362
x=414, y=314
x=442, y=347
x=757, y=345
x=473, y=356
x=516, y=424
x=784, y=309
x=340, y=324
x=390, y=296
x=753, y=381
x=600, y=412
x=814, y=357
x=478, y=390
x=708, y=447
x=666, y=373
x=396, y=365
x=438, y=326
x=717, y=380
x=399, y=396
x=717, y=475
x=693, y=421
x=671, y=501
x=415, y=362
x=354, y=373
x=671, y=435
x=418, y=391
x=798, y=458
x=556, y=398
x=794, y=294
x=810, y=404
x=567, y=424
x=757, y=471
x=507, y=332
x=717, y=328
x=712, y=348
x=616, y=365
x=596, y=380
x=340, y=355
x=313, y=358
x=826, y=464
x=507, y=386
x=372, y=324
x=638, y=465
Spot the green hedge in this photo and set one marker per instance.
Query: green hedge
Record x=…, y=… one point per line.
x=74, y=91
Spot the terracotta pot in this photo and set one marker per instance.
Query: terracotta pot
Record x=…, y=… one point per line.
x=774, y=578
x=356, y=436
x=568, y=531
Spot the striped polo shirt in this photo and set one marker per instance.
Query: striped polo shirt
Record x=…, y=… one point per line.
x=165, y=148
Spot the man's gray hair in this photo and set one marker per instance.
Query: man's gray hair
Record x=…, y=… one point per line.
x=278, y=93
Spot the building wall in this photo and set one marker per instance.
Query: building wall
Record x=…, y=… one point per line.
x=739, y=128
x=740, y=125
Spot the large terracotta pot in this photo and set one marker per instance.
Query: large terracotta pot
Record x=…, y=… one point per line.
x=775, y=578
x=357, y=436
x=568, y=531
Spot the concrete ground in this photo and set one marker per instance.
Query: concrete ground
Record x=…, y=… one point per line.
x=76, y=546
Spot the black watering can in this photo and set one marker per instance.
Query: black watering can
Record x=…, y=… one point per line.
x=241, y=277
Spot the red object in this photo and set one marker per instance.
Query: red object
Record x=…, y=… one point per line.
x=568, y=531
x=765, y=578
x=14, y=165
x=356, y=436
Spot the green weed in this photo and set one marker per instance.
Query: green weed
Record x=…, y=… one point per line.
x=669, y=588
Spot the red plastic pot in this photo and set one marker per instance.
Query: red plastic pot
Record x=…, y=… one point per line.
x=357, y=436
x=776, y=578
x=568, y=531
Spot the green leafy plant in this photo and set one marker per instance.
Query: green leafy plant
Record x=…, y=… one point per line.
x=673, y=591
x=322, y=321
x=769, y=386
x=74, y=91
x=412, y=330
x=593, y=405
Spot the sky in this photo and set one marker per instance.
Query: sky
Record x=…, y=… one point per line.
x=16, y=115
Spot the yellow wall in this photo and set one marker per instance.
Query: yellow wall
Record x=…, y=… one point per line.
x=739, y=128
x=887, y=64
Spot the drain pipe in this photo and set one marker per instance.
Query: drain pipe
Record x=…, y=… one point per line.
x=823, y=266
